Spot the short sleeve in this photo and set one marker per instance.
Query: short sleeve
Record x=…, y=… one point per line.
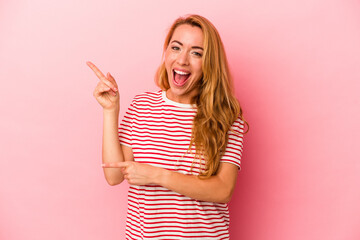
x=126, y=126
x=234, y=148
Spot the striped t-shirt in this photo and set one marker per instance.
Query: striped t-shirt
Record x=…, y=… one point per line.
x=158, y=130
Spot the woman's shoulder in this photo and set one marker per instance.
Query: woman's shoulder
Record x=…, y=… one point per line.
x=238, y=125
x=148, y=97
x=148, y=94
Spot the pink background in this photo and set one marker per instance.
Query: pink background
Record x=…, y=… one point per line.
x=296, y=65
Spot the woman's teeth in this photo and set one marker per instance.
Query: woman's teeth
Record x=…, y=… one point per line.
x=180, y=72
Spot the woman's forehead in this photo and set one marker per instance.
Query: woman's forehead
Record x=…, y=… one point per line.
x=188, y=35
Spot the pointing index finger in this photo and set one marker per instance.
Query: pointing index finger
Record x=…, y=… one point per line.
x=98, y=73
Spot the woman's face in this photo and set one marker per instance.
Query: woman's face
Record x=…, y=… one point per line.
x=183, y=62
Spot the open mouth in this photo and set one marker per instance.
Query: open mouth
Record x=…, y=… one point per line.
x=180, y=77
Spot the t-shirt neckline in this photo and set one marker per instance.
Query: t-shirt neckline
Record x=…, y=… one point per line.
x=171, y=102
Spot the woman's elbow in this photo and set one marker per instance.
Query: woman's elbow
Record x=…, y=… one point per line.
x=113, y=181
x=224, y=197
x=113, y=177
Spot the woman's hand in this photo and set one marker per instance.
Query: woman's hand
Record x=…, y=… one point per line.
x=137, y=173
x=106, y=92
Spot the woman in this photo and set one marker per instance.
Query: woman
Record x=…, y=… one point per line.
x=180, y=147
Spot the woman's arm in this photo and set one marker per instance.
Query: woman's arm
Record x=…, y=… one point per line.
x=106, y=93
x=217, y=188
x=112, y=151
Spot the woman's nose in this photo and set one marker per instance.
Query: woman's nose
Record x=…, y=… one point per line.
x=183, y=58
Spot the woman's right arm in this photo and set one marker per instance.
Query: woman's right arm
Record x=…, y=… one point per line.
x=112, y=151
x=106, y=93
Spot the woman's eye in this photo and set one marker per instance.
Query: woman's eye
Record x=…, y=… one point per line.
x=197, y=54
x=175, y=48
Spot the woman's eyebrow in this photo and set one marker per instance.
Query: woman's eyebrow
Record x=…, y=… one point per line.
x=194, y=47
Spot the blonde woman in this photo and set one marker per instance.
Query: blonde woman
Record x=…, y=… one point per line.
x=180, y=147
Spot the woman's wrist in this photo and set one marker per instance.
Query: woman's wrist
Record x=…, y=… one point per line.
x=111, y=111
x=161, y=176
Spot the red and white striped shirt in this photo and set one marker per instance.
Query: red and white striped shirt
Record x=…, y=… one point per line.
x=159, y=130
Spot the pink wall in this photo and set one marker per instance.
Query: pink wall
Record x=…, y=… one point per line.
x=296, y=65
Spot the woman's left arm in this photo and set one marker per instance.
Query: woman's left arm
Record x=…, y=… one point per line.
x=217, y=188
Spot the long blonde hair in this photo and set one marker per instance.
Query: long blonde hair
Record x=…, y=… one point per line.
x=217, y=107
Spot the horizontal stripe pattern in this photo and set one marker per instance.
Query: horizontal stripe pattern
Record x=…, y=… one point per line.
x=159, y=132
